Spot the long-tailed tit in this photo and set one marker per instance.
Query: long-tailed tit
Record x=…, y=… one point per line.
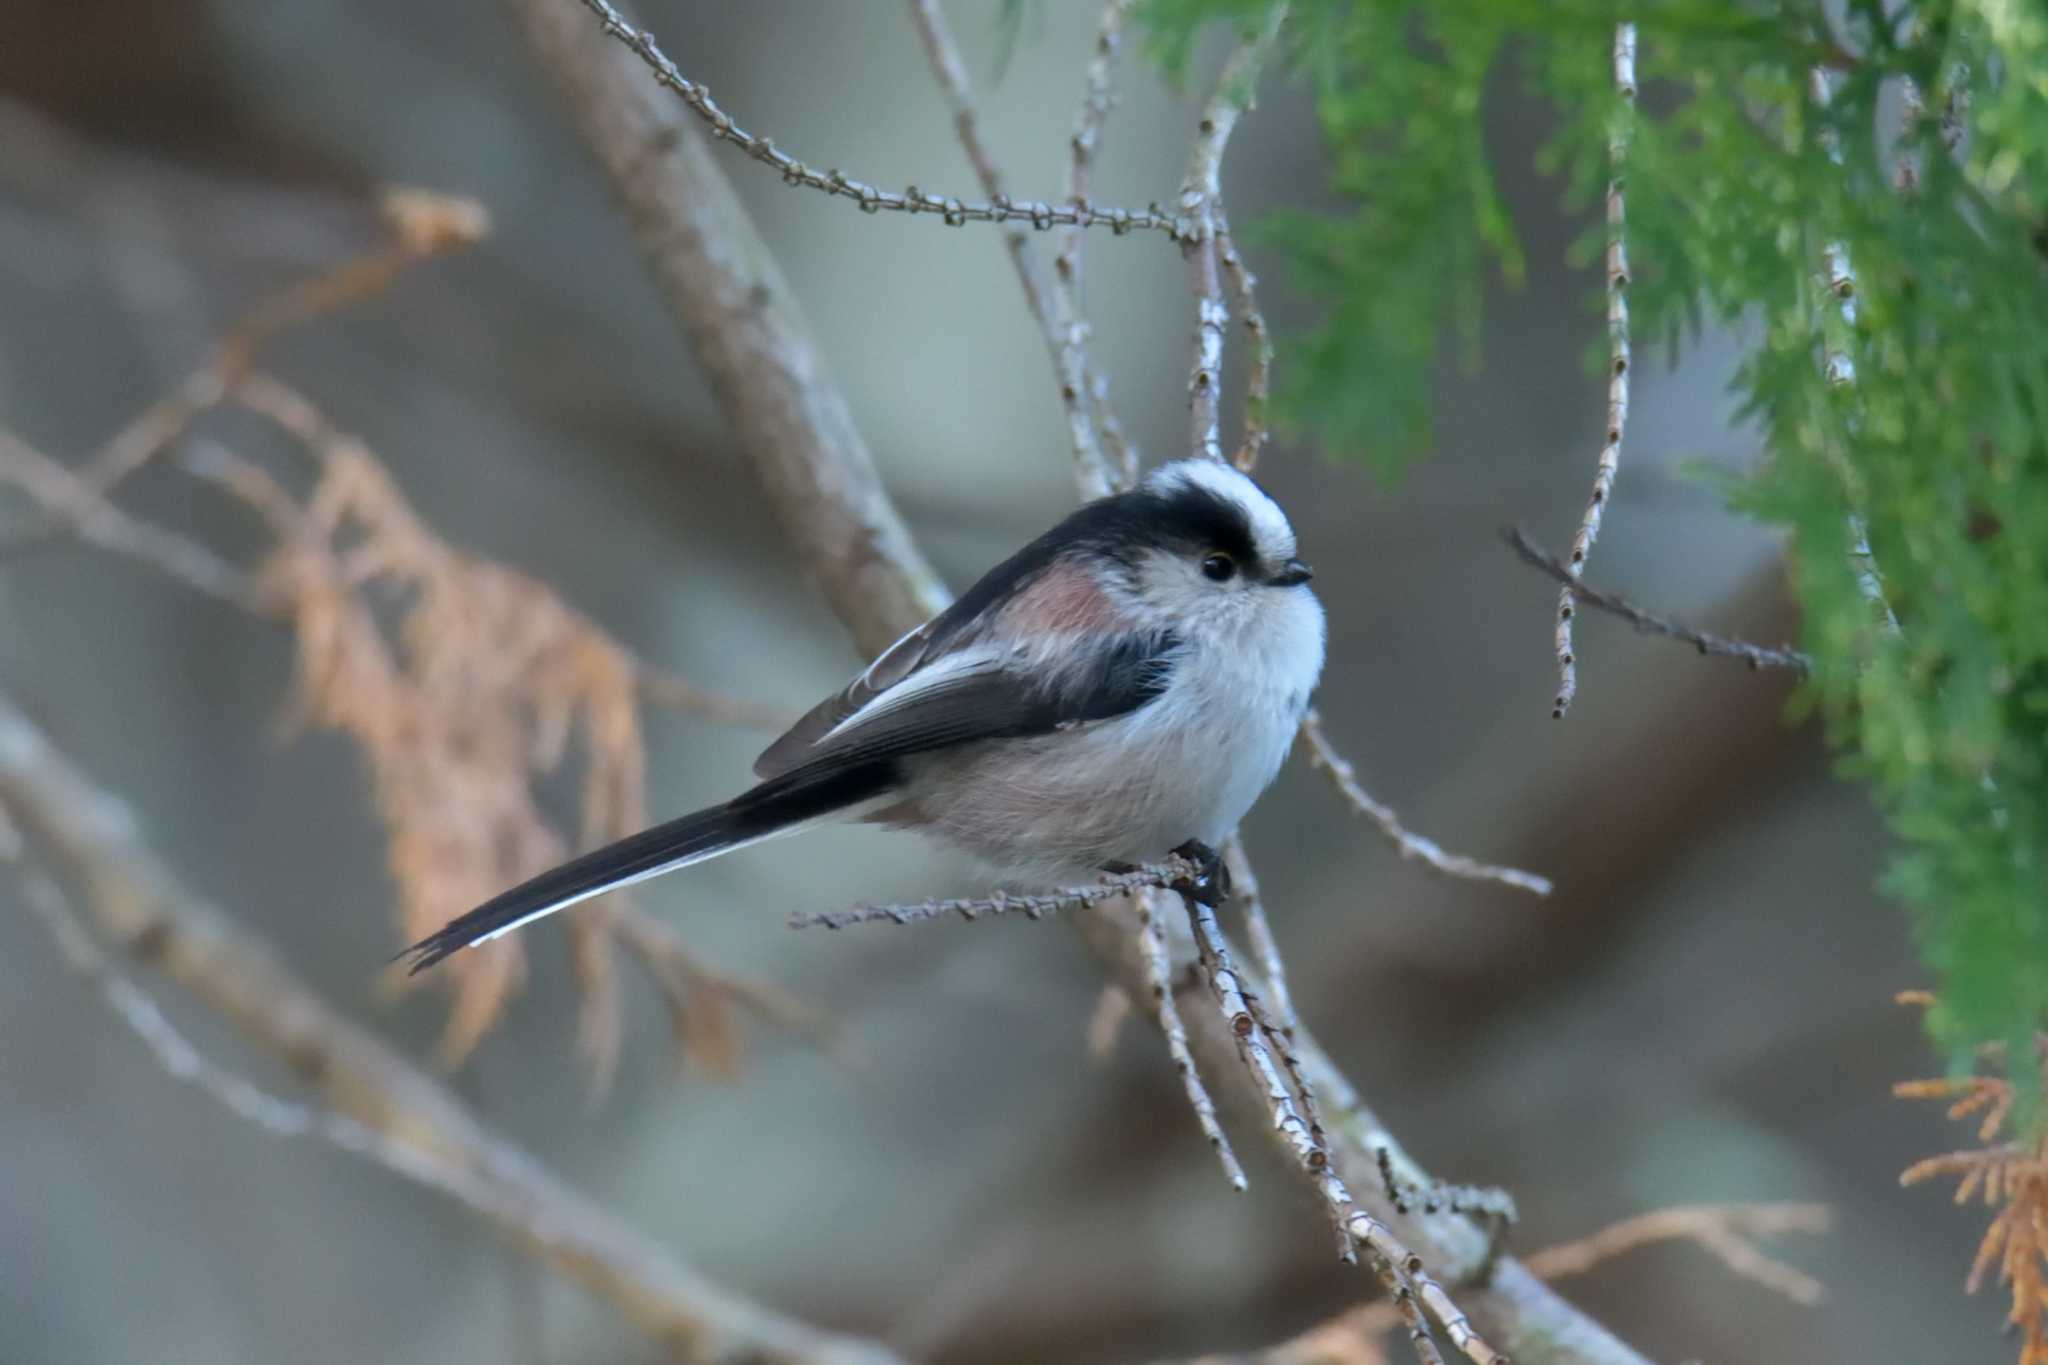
x=1125, y=684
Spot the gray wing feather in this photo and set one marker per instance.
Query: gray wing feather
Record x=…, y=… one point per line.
x=990, y=698
x=895, y=663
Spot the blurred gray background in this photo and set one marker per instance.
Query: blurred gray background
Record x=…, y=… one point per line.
x=1701, y=1012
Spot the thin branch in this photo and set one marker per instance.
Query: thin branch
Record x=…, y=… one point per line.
x=85, y=511
x=659, y=687
x=998, y=208
x=1106, y=1022
x=91, y=842
x=1068, y=359
x=1399, y=1268
x=1324, y=758
x=1166, y=1013
x=1258, y=387
x=1839, y=280
x=1265, y=947
x=1036, y=905
x=1201, y=196
x=423, y=224
x=1617, y=361
x=75, y=506
x=1649, y=623
x=1726, y=1230
x=756, y=349
x=1075, y=333
x=810, y=485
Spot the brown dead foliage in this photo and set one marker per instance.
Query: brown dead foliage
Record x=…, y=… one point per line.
x=2009, y=1176
x=464, y=684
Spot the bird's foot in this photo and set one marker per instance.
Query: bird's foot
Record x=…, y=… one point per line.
x=1210, y=884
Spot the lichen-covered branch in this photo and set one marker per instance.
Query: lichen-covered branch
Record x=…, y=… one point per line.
x=1617, y=362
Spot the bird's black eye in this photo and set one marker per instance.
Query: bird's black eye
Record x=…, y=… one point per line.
x=1220, y=567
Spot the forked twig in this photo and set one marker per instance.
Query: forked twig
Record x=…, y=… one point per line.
x=423, y=224
x=1072, y=318
x=997, y=208
x=1649, y=623
x=1726, y=1230
x=1399, y=1268
x=1201, y=195
x=1068, y=359
x=1159, y=964
x=1324, y=758
x=371, y=1099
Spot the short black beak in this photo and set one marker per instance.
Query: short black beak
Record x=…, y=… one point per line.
x=1292, y=574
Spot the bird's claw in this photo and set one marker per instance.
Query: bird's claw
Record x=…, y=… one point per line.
x=1210, y=883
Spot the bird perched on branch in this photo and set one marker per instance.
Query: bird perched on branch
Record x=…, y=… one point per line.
x=1123, y=686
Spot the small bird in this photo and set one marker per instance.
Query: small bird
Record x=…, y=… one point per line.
x=1123, y=686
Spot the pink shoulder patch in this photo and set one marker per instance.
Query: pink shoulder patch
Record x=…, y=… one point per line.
x=1064, y=599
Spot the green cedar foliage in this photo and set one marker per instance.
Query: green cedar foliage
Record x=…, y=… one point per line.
x=1737, y=183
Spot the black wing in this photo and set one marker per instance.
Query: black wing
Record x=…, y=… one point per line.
x=1106, y=521
x=975, y=699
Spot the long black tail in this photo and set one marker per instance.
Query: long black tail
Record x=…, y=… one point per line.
x=777, y=806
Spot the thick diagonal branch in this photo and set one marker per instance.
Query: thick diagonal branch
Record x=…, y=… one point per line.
x=90, y=841
x=1516, y=1311
x=743, y=325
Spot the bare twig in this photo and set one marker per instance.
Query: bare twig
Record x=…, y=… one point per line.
x=659, y=687
x=1839, y=280
x=91, y=842
x=1401, y=1269
x=423, y=224
x=744, y=327
x=636, y=147
x=553, y=670
x=1258, y=387
x=998, y=208
x=1726, y=1230
x=1265, y=948
x=1096, y=104
x=1069, y=360
x=1649, y=623
x=99, y=523
x=1494, y=1205
x=1617, y=361
x=1036, y=905
x=1324, y=758
x=1166, y=1013
x=1106, y=1021
x=1201, y=195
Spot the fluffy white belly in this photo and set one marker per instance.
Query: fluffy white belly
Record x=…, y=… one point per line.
x=1187, y=765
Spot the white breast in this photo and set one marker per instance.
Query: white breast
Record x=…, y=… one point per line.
x=1187, y=765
